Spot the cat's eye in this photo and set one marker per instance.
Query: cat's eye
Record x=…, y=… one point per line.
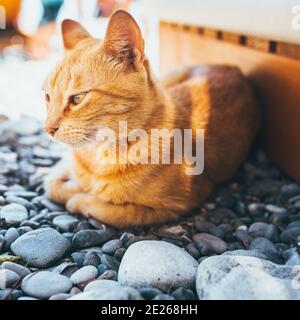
x=76, y=99
x=47, y=97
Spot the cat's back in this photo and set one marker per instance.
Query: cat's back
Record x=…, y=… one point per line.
x=220, y=100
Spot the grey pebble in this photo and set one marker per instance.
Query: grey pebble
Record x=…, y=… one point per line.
x=89, y=238
x=8, y=278
x=84, y=274
x=11, y=235
x=111, y=246
x=41, y=247
x=13, y=214
x=217, y=244
x=266, y=247
x=44, y=284
x=91, y=259
x=65, y=222
x=17, y=268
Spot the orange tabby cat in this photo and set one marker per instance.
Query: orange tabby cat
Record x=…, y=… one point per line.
x=99, y=83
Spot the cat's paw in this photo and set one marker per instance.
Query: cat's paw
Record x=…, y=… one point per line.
x=76, y=203
x=60, y=189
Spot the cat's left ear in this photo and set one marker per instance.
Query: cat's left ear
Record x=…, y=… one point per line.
x=72, y=33
x=124, y=41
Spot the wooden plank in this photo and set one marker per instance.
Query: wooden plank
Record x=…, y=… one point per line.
x=289, y=50
x=275, y=78
x=258, y=43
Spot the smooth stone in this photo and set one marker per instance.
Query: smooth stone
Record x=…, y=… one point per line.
x=193, y=251
x=119, y=254
x=149, y=293
x=290, y=190
x=244, y=237
x=248, y=253
x=110, y=262
x=44, y=284
x=90, y=238
x=11, y=235
x=78, y=258
x=163, y=297
x=41, y=248
x=27, y=298
x=111, y=246
x=84, y=274
x=17, y=268
x=157, y=264
x=265, y=230
x=2, y=242
x=60, y=296
x=290, y=235
x=293, y=257
x=183, y=294
x=115, y=294
x=65, y=222
x=267, y=248
x=8, y=278
x=245, y=278
x=102, y=285
x=91, y=259
x=13, y=214
x=217, y=244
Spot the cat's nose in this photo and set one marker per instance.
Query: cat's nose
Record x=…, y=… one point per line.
x=51, y=130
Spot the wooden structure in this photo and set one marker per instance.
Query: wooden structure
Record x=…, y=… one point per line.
x=272, y=66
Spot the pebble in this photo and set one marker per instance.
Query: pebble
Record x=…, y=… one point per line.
x=91, y=259
x=41, y=248
x=111, y=246
x=89, y=238
x=266, y=247
x=157, y=264
x=290, y=235
x=84, y=275
x=65, y=222
x=44, y=284
x=78, y=258
x=110, y=262
x=8, y=278
x=228, y=277
x=2, y=242
x=119, y=253
x=217, y=244
x=163, y=297
x=183, y=294
x=11, y=235
x=149, y=293
x=17, y=268
x=104, y=285
x=265, y=230
x=60, y=296
x=13, y=214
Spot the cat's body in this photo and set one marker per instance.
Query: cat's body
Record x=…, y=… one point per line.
x=217, y=99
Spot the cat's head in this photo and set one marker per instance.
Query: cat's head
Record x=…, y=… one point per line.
x=98, y=83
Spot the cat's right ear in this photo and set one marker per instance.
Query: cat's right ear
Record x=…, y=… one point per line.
x=72, y=33
x=123, y=40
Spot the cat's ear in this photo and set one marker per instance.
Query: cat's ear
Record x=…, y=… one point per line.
x=123, y=40
x=72, y=33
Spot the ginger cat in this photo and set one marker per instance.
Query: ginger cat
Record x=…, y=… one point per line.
x=99, y=83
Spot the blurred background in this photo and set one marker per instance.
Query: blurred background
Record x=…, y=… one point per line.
x=31, y=44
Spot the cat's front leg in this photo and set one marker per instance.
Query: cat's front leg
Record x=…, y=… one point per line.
x=59, y=184
x=119, y=216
